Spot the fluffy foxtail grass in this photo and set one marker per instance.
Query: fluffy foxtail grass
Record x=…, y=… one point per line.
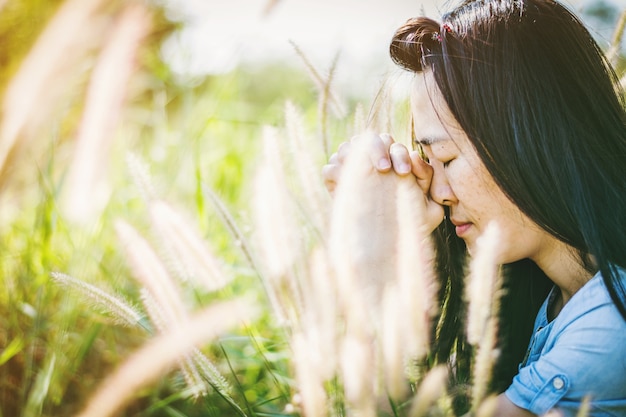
x=327, y=97
x=616, y=41
x=66, y=38
x=149, y=271
x=383, y=263
x=483, y=293
x=197, y=262
x=276, y=233
x=411, y=293
x=306, y=156
x=140, y=174
x=431, y=390
x=197, y=370
x=166, y=314
x=122, y=311
x=362, y=254
x=309, y=376
x=484, y=282
x=86, y=191
x=159, y=355
x=359, y=124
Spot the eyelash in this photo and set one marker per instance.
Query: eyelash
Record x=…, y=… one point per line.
x=445, y=164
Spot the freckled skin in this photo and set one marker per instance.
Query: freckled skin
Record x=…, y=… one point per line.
x=456, y=177
x=461, y=181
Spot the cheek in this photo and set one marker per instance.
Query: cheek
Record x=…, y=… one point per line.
x=464, y=181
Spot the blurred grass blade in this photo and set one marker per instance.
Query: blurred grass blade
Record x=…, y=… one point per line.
x=39, y=391
x=122, y=311
x=86, y=192
x=159, y=355
x=30, y=94
x=616, y=41
x=196, y=259
x=11, y=350
x=148, y=269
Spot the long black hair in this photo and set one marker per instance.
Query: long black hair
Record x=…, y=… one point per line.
x=542, y=107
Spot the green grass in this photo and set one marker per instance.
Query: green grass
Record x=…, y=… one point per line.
x=199, y=148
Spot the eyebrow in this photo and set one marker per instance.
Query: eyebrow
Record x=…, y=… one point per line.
x=426, y=141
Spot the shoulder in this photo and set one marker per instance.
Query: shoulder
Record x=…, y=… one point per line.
x=587, y=307
x=582, y=352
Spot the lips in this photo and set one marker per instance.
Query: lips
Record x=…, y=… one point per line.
x=461, y=227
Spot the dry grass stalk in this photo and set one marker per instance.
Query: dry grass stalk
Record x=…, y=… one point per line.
x=310, y=381
x=47, y=71
x=363, y=229
x=150, y=272
x=410, y=302
x=484, y=284
x=393, y=343
x=154, y=359
x=319, y=320
x=416, y=273
x=196, y=368
x=360, y=123
x=140, y=174
x=184, y=244
x=616, y=41
x=483, y=294
x=323, y=103
x=85, y=191
x=363, y=254
x=379, y=116
x=305, y=158
x=585, y=407
x=486, y=356
x=278, y=242
x=431, y=389
x=209, y=372
x=359, y=371
x=121, y=310
x=154, y=310
x=321, y=83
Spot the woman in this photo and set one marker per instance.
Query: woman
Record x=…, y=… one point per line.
x=521, y=123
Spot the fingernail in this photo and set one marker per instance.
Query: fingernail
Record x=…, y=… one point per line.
x=404, y=168
x=384, y=163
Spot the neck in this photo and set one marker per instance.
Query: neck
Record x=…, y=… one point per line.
x=562, y=264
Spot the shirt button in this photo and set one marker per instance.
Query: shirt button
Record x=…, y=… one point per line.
x=558, y=383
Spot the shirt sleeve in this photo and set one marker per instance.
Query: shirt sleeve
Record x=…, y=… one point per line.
x=587, y=357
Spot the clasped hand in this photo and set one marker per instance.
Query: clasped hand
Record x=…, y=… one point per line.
x=387, y=165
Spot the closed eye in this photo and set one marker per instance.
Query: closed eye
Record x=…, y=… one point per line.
x=445, y=164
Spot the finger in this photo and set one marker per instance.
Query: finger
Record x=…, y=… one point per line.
x=422, y=171
x=330, y=175
x=334, y=159
x=331, y=172
x=434, y=214
x=378, y=152
x=343, y=151
x=400, y=159
x=387, y=139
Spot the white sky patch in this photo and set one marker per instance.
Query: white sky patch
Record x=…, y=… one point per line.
x=218, y=35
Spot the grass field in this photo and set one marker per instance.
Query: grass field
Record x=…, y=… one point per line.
x=165, y=248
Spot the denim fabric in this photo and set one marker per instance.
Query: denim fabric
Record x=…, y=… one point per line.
x=581, y=353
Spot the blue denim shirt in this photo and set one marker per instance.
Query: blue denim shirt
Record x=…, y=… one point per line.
x=581, y=353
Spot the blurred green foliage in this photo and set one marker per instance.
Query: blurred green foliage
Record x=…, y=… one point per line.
x=54, y=349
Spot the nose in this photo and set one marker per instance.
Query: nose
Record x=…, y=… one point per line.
x=440, y=190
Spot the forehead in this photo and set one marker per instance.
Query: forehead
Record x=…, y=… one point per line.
x=431, y=115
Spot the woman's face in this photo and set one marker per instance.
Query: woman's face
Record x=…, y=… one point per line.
x=461, y=181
